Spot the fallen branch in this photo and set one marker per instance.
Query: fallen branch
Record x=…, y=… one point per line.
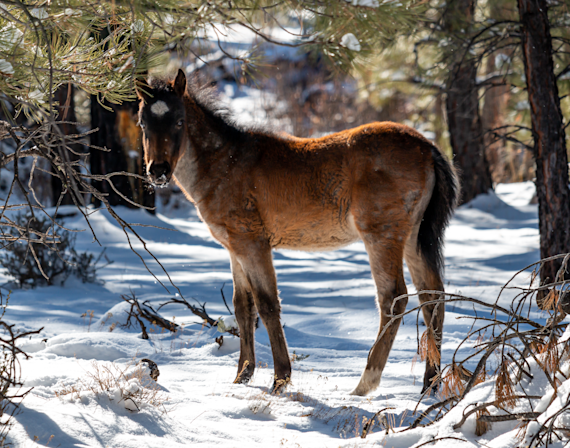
x=146, y=312
x=199, y=310
x=518, y=341
x=440, y=438
x=485, y=418
x=370, y=423
x=224, y=299
x=509, y=417
x=431, y=408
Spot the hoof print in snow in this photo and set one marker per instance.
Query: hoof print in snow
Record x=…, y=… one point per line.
x=154, y=372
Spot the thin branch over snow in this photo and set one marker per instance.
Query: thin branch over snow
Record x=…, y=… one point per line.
x=525, y=349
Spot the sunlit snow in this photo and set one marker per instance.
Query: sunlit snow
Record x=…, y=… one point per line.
x=329, y=314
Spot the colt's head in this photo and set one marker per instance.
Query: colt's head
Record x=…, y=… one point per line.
x=162, y=119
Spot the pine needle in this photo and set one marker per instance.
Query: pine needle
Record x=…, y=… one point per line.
x=504, y=387
x=428, y=348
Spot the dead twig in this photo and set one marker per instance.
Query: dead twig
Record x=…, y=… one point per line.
x=425, y=413
x=437, y=439
x=224, y=299
x=145, y=311
x=370, y=423
x=509, y=417
x=199, y=310
x=486, y=418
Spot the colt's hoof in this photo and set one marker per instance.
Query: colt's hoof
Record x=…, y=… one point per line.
x=242, y=379
x=430, y=387
x=369, y=381
x=245, y=374
x=359, y=391
x=279, y=386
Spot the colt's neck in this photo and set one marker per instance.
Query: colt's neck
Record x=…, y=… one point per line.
x=206, y=145
x=205, y=129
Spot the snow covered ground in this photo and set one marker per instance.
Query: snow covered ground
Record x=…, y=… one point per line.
x=330, y=320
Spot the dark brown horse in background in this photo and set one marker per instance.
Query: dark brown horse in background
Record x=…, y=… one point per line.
x=383, y=183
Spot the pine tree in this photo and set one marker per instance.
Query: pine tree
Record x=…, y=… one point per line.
x=462, y=102
x=548, y=132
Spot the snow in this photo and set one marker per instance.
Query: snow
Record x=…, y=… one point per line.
x=328, y=312
x=350, y=41
x=137, y=26
x=9, y=36
x=501, y=60
x=6, y=67
x=236, y=34
x=39, y=13
x=366, y=3
x=240, y=41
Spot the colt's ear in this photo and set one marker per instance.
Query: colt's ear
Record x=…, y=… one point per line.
x=143, y=89
x=180, y=83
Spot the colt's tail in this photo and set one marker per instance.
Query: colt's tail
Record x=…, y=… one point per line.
x=438, y=212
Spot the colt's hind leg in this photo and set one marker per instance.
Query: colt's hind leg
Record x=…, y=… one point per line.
x=425, y=278
x=245, y=316
x=387, y=270
x=433, y=317
x=258, y=267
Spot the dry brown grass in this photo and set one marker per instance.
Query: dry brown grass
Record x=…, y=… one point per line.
x=452, y=381
x=548, y=303
x=260, y=403
x=128, y=385
x=428, y=348
x=549, y=355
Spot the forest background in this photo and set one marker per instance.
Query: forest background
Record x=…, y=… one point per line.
x=489, y=82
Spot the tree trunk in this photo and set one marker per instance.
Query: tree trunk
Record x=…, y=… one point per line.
x=494, y=108
x=548, y=132
x=500, y=157
x=462, y=107
x=119, y=133
x=66, y=112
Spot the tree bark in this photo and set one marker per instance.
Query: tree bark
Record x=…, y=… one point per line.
x=66, y=112
x=548, y=132
x=493, y=117
x=462, y=106
x=500, y=157
x=119, y=133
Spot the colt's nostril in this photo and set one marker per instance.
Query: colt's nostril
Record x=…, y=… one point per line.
x=157, y=170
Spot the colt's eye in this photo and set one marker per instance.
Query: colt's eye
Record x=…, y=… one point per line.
x=180, y=123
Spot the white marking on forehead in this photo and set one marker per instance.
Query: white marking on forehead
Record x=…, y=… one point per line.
x=159, y=108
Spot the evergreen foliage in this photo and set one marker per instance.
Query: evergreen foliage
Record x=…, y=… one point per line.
x=102, y=46
x=409, y=78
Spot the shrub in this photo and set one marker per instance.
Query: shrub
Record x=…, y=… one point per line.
x=133, y=387
x=11, y=392
x=85, y=265
x=35, y=260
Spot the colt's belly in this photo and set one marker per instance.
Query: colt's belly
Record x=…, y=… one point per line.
x=314, y=236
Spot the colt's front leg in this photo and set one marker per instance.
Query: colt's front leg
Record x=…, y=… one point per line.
x=257, y=265
x=245, y=315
